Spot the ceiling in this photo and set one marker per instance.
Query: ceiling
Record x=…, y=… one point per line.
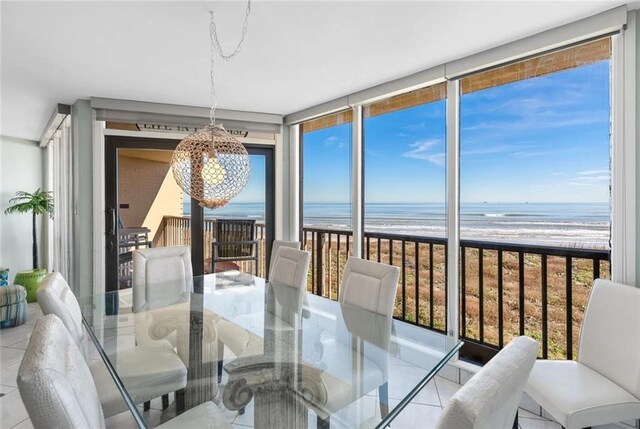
x=297, y=53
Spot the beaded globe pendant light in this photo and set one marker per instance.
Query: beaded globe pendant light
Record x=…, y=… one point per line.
x=211, y=165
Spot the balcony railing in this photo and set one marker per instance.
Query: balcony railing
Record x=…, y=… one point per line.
x=505, y=290
x=176, y=231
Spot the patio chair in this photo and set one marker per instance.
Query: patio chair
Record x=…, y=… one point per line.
x=603, y=385
x=491, y=397
x=58, y=390
x=234, y=242
x=152, y=370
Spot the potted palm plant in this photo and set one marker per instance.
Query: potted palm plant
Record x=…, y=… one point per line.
x=38, y=203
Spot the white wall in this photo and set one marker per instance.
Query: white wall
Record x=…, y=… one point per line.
x=21, y=169
x=637, y=12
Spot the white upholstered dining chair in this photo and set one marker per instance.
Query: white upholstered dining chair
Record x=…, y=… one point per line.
x=161, y=276
x=290, y=267
x=58, y=390
x=277, y=244
x=151, y=370
x=603, y=385
x=491, y=397
x=367, y=287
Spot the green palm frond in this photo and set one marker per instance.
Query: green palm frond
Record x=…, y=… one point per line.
x=39, y=202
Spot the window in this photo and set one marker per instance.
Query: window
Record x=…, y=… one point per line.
x=534, y=179
x=326, y=199
x=404, y=198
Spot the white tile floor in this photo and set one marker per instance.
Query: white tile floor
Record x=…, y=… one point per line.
x=421, y=413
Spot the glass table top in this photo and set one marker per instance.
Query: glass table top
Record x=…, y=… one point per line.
x=299, y=359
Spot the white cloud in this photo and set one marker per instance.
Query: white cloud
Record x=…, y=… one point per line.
x=422, y=149
x=591, y=178
x=334, y=141
x=593, y=172
x=489, y=150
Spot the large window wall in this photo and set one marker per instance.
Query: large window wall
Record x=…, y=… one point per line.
x=533, y=145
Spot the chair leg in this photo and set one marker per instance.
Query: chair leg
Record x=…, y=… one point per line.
x=383, y=398
x=147, y=406
x=165, y=401
x=323, y=423
x=180, y=402
x=220, y=360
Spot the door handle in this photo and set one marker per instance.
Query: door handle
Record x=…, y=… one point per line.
x=112, y=212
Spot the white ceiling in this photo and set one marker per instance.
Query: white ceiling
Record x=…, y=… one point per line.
x=297, y=54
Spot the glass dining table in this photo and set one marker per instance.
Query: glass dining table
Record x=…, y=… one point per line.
x=297, y=359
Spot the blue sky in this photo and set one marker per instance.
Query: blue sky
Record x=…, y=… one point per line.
x=544, y=139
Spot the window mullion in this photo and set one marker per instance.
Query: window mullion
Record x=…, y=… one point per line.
x=453, y=208
x=357, y=200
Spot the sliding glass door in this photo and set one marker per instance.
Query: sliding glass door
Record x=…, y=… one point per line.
x=146, y=208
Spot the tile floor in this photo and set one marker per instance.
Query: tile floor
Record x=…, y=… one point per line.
x=421, y=413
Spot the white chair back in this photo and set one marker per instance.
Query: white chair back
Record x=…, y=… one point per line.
x=290, y=268
x=490, y=398
x=55, y=382
x=277, y=244
x=610, y=336
x=55, y=297
x=288, y=283
x=369, y=286
x=161, y=276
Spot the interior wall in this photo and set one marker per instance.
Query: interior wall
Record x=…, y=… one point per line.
x=21, y=169
x=637, y=12
x=149, y=190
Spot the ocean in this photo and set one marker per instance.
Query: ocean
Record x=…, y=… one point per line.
x=585, y=225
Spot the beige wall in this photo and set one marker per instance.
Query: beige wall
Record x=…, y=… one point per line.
x=147, y=185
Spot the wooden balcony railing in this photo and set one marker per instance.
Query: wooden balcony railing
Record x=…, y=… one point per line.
x=505, y=290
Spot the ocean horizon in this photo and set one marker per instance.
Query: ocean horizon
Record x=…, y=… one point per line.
x=584, y=225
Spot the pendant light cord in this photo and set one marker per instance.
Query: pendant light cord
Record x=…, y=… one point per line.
x=216, y=48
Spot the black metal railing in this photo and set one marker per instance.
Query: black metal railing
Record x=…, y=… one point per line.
x=505, y=289
x=541, y=291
